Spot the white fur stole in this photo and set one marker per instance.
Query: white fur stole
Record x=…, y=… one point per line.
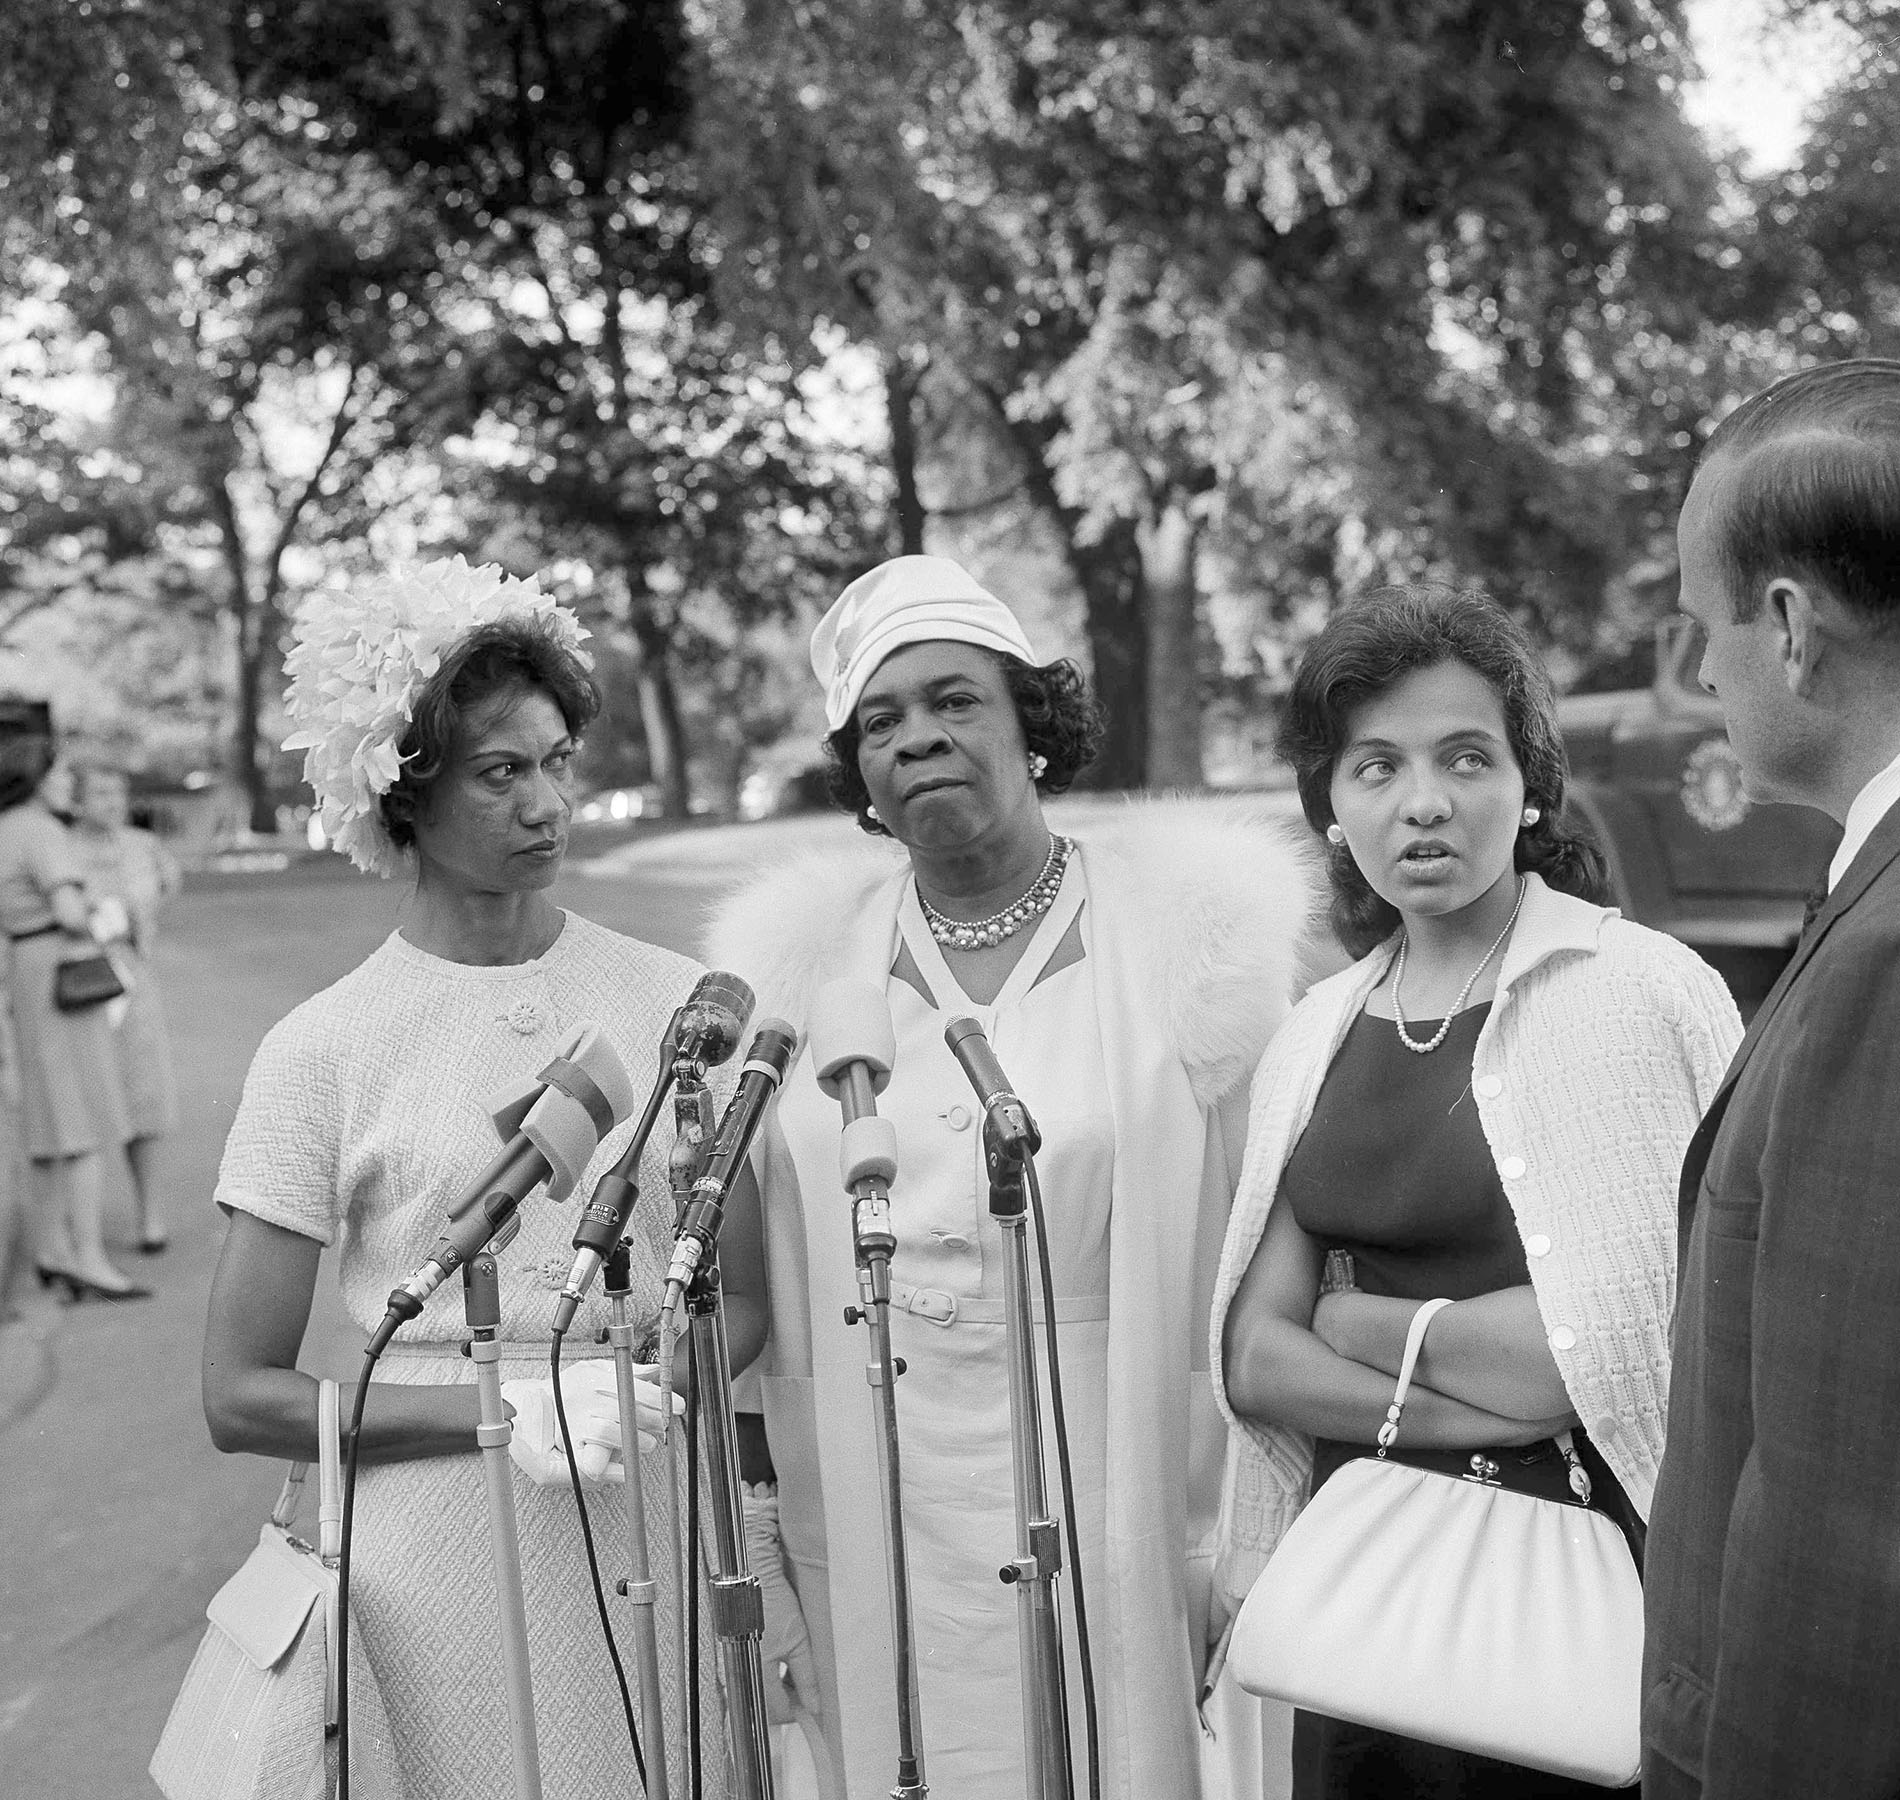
x=1228, y=897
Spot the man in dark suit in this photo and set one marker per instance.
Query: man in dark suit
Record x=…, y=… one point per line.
x=1772, y=1667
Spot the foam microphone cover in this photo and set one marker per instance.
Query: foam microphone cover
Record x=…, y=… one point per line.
x=558, y=1125
x=851, y=1022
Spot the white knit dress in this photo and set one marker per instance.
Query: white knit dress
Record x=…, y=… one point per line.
x=364, y=1115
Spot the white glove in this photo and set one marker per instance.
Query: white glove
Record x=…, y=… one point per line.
x=593, y=1416
x=791, y=1674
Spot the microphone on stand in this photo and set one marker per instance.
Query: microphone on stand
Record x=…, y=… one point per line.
x=1005, y=1114
x=706, y=1029
x=853, y=1047
x=550, y=1128
x=773, y=1047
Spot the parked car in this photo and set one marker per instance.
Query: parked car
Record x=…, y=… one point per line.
x=1691, y=854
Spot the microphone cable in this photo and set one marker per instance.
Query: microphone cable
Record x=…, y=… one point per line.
x=351, y=1441
x=631, y=1469
x=1059, y=1412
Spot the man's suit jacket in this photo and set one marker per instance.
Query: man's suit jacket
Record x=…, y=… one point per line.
x=1772, y=1667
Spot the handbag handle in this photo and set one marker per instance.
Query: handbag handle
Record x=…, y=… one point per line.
x=1414, y=1342
x=329, y=1479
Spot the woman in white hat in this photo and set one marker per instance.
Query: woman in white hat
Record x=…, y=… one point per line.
x=1128, y=979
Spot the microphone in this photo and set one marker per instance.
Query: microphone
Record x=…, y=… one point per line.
x=773, y=1047
x=1005, y=1114
x=706, y=1029
x=711, y=1023
x=853, y=1047
x=550, y=1127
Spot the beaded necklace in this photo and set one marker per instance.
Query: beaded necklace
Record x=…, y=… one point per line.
x=1457, y=1006
x=981, y=934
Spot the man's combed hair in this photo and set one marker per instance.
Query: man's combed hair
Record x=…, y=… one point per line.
x=1813, y=472
x=509, y=656
x=1362, y=651
x=1060, y=720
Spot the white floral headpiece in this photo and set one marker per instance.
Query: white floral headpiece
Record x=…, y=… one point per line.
x=361, y=657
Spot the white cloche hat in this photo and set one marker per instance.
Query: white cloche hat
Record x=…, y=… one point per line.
x=907, y=600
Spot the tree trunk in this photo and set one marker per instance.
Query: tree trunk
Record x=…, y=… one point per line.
x=1114, y=592
x=1168, y=546
x=1108, y=570
x=660, y=716
x=247, y=617
x=900, y=400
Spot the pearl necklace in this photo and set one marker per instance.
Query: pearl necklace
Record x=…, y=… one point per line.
x=981, y=934
x=1464, y=993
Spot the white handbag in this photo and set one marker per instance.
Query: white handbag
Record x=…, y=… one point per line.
x=1447, y=1609
x=256, y=1716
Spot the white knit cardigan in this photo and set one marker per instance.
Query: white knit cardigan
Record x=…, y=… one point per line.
x=1604, y=1044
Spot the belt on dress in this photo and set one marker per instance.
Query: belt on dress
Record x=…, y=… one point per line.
x=935, y=1307
x=20, y=937
x=442, y=1349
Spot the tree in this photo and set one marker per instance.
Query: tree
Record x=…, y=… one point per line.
x=593, y=400
x=1148, y=236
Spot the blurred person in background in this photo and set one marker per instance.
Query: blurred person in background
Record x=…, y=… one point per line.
x=72, y=1107
x=129, y=874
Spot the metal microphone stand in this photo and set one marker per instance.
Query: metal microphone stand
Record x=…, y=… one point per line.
x=738, y=1609
x=869, y=1168
x=639, y=1586
x=1010, y=1138
x=481, y=1294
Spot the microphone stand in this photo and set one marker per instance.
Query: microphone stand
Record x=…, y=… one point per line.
x=738, y=1609
x=867, y=1177
x=693, y=1130
x=639, y=1586
x=481, y=1294
x=1010, y=1137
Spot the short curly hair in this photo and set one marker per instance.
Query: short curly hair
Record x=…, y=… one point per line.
x=507, y=656
x=1059, y=717
x=1362, y=651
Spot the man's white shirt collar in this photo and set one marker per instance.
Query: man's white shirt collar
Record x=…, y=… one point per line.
x=1871, y=805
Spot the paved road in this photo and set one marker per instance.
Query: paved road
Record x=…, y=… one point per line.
x=117, y=1518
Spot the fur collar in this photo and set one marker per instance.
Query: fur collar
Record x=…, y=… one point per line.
x=1228, y=897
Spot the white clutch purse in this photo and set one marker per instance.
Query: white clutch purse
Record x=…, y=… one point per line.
x=1447, y=1609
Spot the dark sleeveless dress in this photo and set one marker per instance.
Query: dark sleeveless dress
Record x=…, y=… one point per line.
x=1393, y=1171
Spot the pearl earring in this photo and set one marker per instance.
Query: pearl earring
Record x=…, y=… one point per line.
x=1531, y=816
x=1038, y=765
x=870, y=812
x=1335, y=835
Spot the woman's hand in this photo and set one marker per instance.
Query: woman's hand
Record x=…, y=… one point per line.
x=1491, y=1351
x=1281, y=1371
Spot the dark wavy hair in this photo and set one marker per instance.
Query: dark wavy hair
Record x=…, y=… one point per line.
x=510, y=656
x=1060, y=720
x=27, y=750
x=1360, y=653
x=1814, y=468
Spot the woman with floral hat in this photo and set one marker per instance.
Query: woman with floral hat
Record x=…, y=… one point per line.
x=441, y=714
x=1128, y=978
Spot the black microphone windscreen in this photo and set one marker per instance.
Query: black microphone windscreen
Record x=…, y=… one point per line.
x=714, y=1017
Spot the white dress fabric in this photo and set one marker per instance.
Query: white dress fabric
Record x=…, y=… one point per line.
x=364, y=1116
x=953, y=1400
x=1192, y=922
x=131, y=866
